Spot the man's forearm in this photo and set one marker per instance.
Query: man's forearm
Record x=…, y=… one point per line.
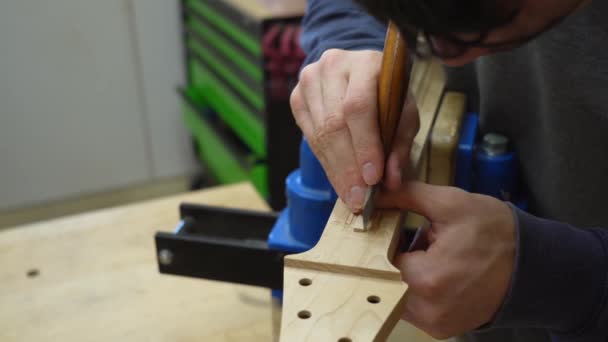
x=339, y=24
x=560, y=280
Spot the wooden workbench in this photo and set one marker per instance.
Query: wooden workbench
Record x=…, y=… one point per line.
x=97, y=281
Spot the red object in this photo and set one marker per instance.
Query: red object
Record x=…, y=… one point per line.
x=283, y=57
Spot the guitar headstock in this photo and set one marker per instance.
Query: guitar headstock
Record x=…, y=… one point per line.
x=345, y=288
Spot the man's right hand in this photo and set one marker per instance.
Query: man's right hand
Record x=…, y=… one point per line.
x=336, y=106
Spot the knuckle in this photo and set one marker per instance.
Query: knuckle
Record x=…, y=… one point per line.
x=296, y=101
x=331, y=58
x=308, y=74
x=374, y=57
x=356, y=106
x=369, y=152
x=332, y=123
x=298, y=107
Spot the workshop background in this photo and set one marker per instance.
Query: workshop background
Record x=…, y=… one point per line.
x=110, y=102
x=88, y=112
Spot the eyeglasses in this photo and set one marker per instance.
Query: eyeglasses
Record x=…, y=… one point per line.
x=446, y=46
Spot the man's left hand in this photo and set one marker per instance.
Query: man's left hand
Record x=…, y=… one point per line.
x=458, y=283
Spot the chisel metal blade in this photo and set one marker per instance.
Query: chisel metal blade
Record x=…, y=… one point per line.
x=364, y=219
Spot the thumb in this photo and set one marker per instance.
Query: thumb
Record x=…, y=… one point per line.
x=436, y=203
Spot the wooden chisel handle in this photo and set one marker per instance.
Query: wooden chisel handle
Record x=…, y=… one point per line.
x=392, y=85
x=392, y=91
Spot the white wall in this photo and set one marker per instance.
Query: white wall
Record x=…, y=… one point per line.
x=158, y=35
x=86, y=97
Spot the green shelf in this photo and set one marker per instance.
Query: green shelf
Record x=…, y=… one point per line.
x=240, y=36
x=225, y=164
x=227, y=104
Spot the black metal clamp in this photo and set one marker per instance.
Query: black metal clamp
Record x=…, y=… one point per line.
x=222, y=244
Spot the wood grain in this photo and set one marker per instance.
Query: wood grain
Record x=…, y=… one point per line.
x=98, y=280
x=331, y=291
x=366, y=254
x=428, y=96
x=444, y=139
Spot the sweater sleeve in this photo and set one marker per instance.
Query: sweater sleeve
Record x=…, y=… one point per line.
x=338, y=24
x=560, y=281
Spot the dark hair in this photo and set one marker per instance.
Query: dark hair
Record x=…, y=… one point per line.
x=442, y=17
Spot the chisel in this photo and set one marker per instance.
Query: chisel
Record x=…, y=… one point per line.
x=392, y=91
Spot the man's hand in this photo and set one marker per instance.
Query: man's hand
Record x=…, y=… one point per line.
x=460, y=281
x=335, y=105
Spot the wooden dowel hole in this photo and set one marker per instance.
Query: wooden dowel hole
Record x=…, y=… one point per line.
x=345, y=339
x=373, y=299
x=304, y=314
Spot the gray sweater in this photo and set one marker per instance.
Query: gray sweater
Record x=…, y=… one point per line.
x=550, y=97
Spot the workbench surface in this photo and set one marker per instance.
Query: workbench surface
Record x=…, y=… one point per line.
x=98, y=280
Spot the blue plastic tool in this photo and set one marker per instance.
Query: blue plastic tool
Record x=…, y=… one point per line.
x=463, y=177
x=489, y=166
x=310, y=199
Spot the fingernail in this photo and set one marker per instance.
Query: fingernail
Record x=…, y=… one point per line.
x=369, y=173
x=356, y=197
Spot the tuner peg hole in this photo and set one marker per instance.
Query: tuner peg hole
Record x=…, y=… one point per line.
x=305, y=282
x=373, y=299
x=304, y=314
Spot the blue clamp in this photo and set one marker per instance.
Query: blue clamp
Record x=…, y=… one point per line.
x=489, y=166
x=310, y=200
